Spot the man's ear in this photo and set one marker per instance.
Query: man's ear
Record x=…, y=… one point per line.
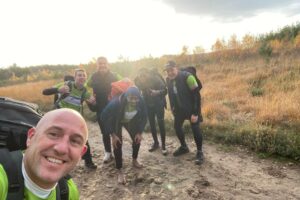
x=30, y=134
x=84, y=149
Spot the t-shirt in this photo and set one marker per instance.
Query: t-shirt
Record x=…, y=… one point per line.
x=73, y=100
x=73, y=191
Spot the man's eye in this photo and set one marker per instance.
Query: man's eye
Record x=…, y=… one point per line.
x=76, y=142
x=53, y=134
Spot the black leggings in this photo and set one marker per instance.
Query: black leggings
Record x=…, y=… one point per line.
x=159, y=112
x=105, y=137
x=118, y=151
x=178, y=122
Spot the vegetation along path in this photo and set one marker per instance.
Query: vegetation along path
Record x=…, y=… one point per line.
x=228, y=173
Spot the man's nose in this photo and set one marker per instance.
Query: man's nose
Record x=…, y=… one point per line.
x=62, y=146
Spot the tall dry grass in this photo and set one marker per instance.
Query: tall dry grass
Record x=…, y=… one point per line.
x=31, y=92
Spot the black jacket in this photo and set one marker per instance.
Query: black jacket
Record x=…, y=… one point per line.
x=101, y=85
x=186, y=101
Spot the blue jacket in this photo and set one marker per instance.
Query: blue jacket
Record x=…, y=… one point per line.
x=113, y=113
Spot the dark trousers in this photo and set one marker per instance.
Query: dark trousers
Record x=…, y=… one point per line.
x=105, y=137
x=135, y=147
x=159, y=113
x=178, y=122
x=87, y=157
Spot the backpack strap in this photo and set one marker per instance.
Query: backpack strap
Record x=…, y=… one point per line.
x=12, y=163
x=62, y=188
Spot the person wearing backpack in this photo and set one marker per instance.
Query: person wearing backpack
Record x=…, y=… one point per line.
x=100, y=81
x=54, y=147
x=185, y=102
x=154, y=90
x=72, y=94
x=129, y=111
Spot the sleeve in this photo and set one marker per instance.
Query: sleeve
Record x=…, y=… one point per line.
x=162, y=87
x=192, y=82
x=73, y=190
x=87, y=94
x=108, y=116
x=143, y=119
x=3, y=183
x=50, y=91
x=193, y=85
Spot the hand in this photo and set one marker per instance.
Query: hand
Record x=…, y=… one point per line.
x=64, y=89
x=91, y=100
x=115, y=141
x=154, y=92
x=138, y=138
x=194, y=118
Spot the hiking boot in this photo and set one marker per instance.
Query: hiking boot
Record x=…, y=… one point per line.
x=153, y=147
x=107, y=157
x=199, y=158
x=90, y=165
x=181, y=150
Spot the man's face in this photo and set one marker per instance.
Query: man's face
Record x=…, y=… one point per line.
x=102, y=65
x=172, y=72
x=54, y=148
x=80, y=78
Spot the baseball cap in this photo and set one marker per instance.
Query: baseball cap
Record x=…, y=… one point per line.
x=170, y=64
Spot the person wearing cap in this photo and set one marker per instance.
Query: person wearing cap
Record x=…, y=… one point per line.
x=129, y=111
x=184, y=97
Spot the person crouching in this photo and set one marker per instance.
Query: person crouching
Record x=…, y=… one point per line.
x=129, y=111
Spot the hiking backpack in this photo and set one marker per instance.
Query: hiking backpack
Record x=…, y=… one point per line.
x=16, y=118
x=193, y=71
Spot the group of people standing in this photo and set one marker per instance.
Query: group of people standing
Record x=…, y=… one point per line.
x=142, y=99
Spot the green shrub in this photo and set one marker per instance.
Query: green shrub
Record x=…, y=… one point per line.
x=257, y=91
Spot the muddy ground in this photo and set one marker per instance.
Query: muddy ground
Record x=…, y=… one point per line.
x=228, y=173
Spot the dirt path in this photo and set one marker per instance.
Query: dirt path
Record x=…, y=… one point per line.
x=228, y=173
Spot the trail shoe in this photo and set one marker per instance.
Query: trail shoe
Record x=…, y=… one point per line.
x=164, y=152
x=153, y=147
x=121, y=177
x=90, y=165
x=199, y=158
x=136, y=164
x=181, y=150
x=107, y=157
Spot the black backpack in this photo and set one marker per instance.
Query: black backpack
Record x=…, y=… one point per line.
x=193, y=71
x=16, y=118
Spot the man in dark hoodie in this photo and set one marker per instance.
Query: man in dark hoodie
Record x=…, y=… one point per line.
x=127, y=110
x=154, y=91
x=185, y=102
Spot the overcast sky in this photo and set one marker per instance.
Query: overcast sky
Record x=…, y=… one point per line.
x=35, y=32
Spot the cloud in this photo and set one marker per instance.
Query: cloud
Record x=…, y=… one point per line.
x=232, y=10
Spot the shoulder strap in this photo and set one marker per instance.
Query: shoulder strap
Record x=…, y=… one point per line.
x=12, y=163
x=62, y=188
x=83, y=94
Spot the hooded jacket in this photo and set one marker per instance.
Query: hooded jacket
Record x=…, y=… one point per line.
x=113, y=113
